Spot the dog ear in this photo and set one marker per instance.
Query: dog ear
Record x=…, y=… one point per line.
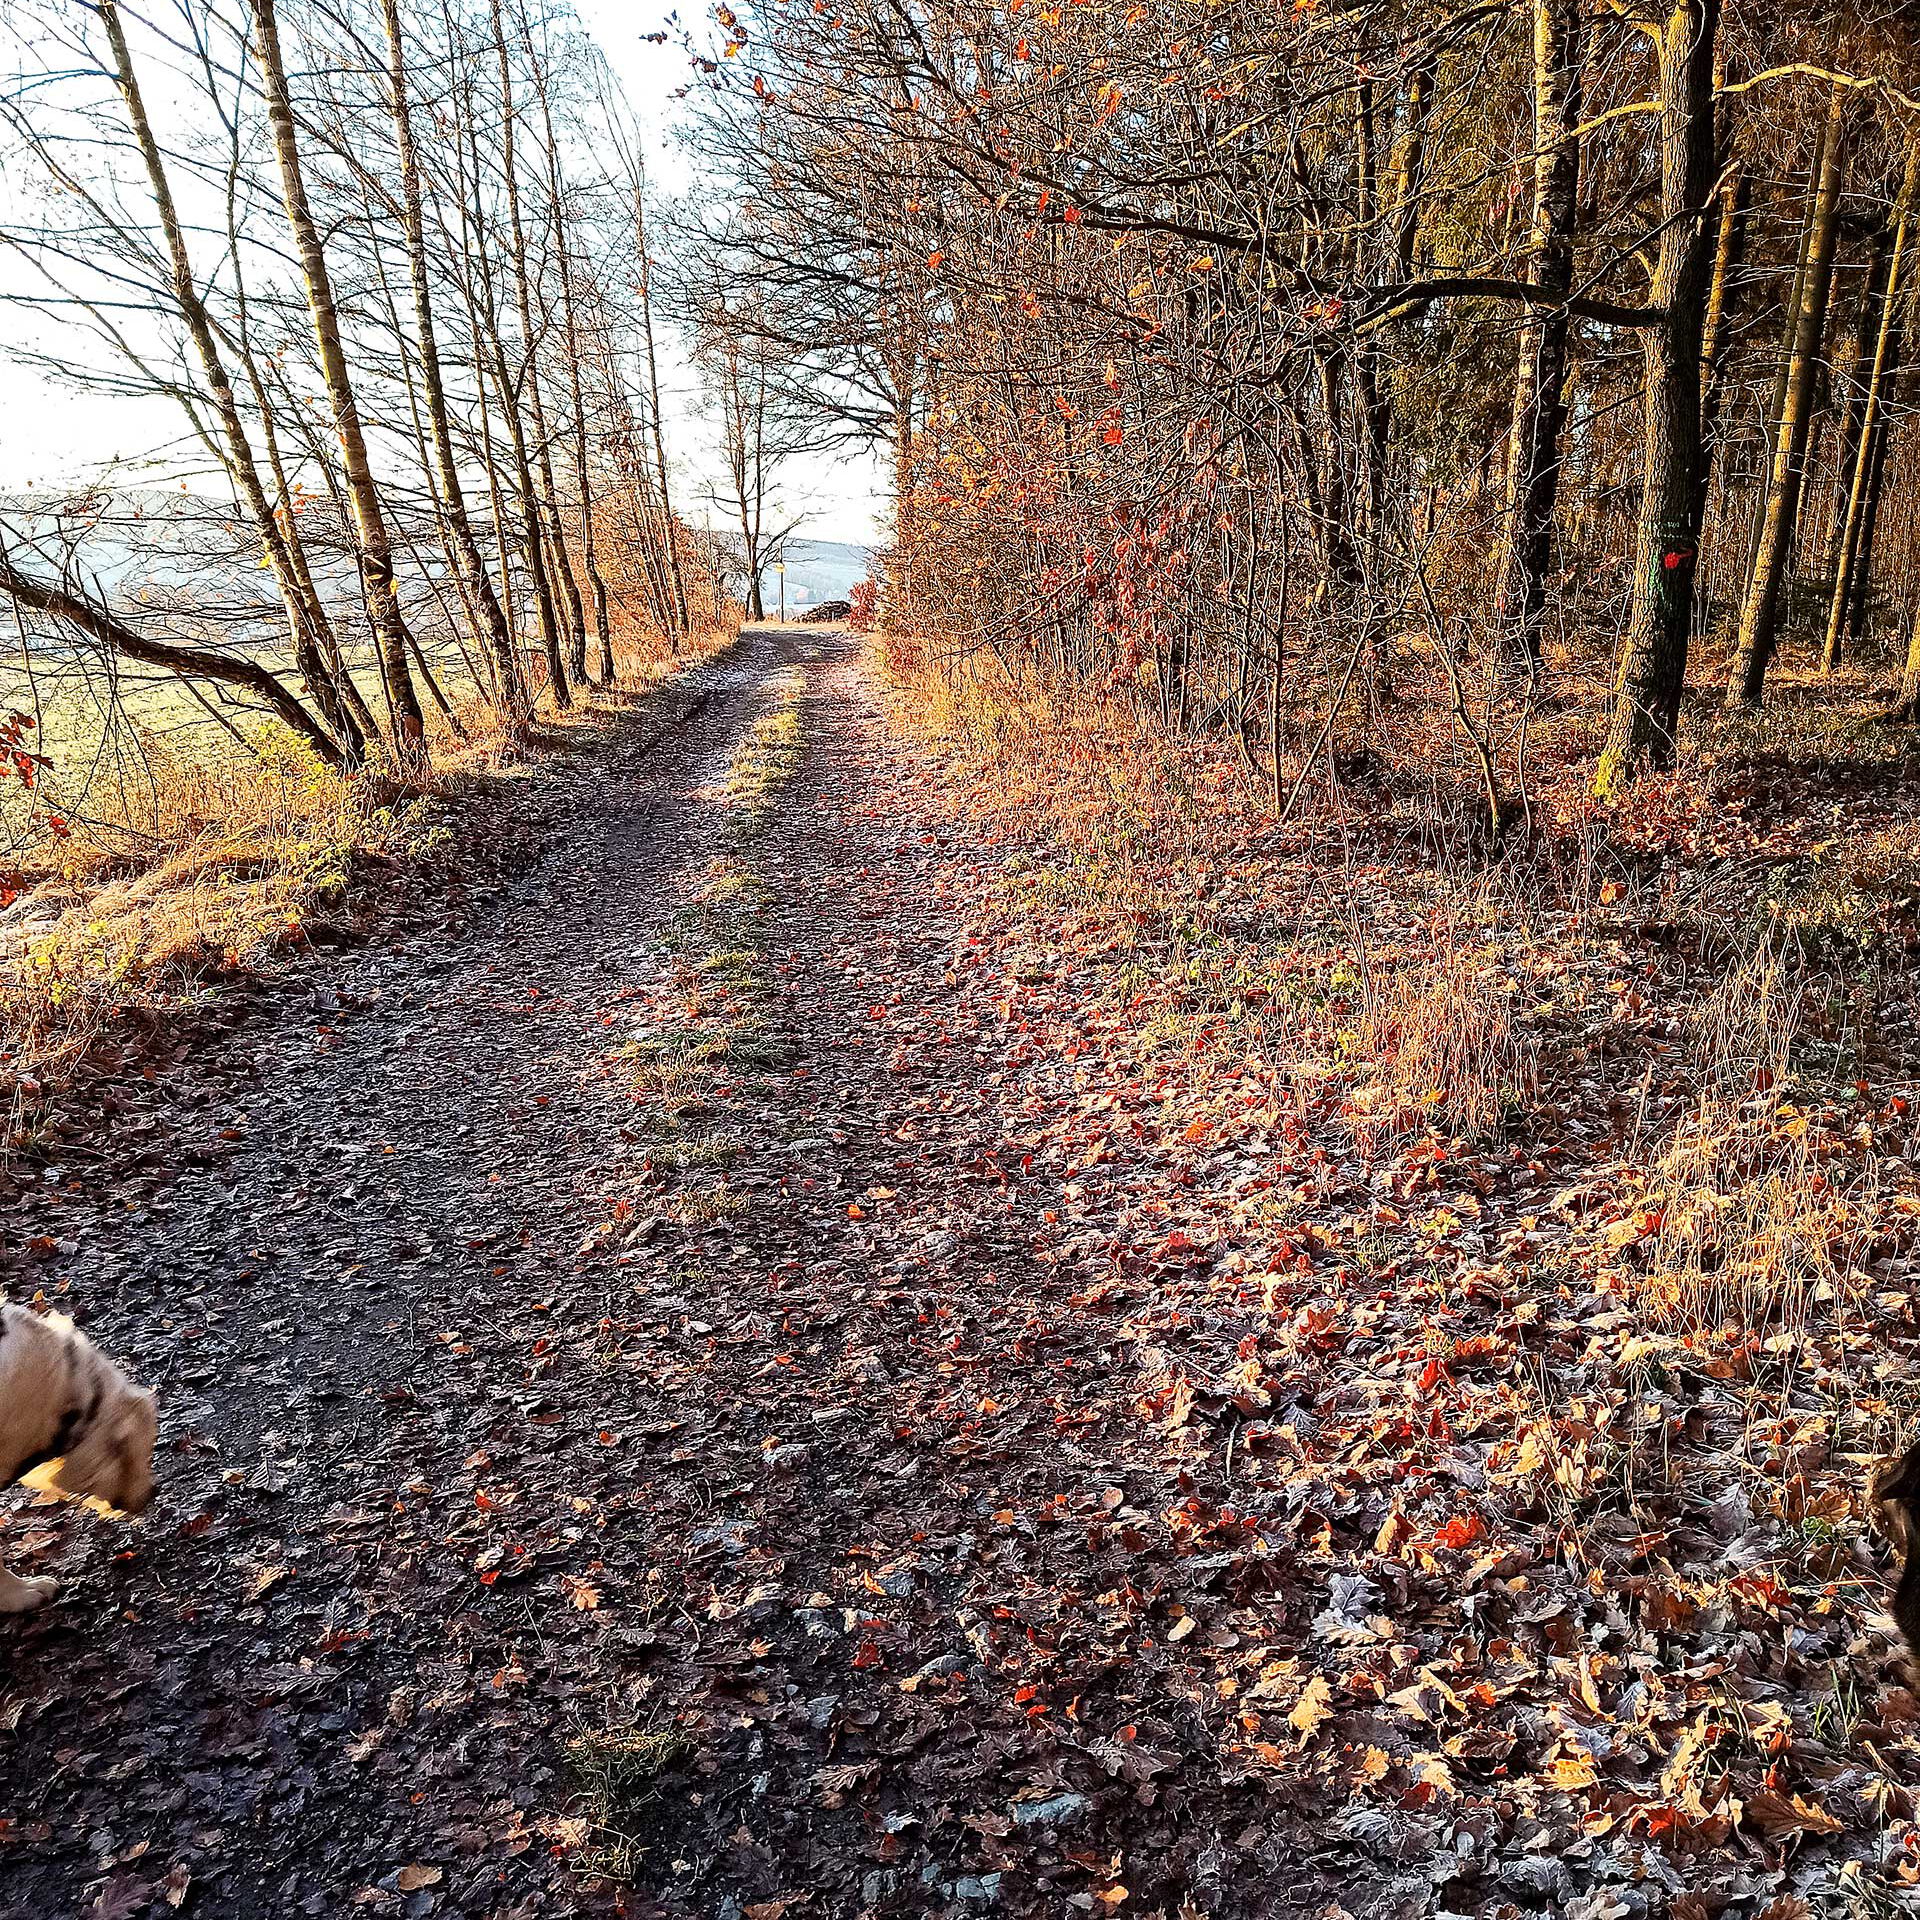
x=1893, y=1494
x=112, y=1461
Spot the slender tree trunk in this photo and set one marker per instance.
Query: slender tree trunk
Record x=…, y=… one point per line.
x=200, y=663
x=589, y=548
x=1370, y=396
x=1906, y=706
x=1343, y=556
x=287, y=501
x=1408, y=163
x=533, y=542
x=1760, y=618
x=1852, y=554
x=1790, y=321
x=682, y=610
x=1726, y=259
x=546, y=509
x=462, y=620
x=1539, y=402
x=309, y=655
x=1856, y=623
x=490, y=356
x=369, y=522
x=901, y=595
x=1840, y=412
x=1653, y=663
x=466, y=549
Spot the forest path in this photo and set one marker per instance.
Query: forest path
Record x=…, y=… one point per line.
x=618, y=1432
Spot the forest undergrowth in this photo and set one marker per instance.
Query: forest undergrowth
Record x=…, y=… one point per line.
x=1572, y=1185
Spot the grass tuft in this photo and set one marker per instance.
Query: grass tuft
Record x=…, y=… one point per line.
x=1438, y=1047
x=616, y=1775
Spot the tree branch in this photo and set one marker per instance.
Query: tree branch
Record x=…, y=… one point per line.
x=188, y=662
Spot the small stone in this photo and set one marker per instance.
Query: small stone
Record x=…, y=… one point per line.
x=1057, y=1812
x=947, y=1663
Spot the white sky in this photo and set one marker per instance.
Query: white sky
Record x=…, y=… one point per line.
x=54, y=434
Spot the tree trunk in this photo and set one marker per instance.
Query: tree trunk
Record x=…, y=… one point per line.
x=1653, y=663
x=1851, y=556
x=1790, y=312
x=1408, y=163
x=589, y=547
x=1370, y=395
x=1833, y=441
x=683, y=612
x=369, y=522
x=546, y=509
x=1760, y=618
x=1856, y=623
x=490, y=356
x=1539, y=401
x=1726, y=257
x=310, y=655
x=1906, y=707
x=466, y=548
x=189, y=662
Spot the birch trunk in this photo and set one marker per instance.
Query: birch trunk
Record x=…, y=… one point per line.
x=373, y=548
x=1539, y=402
x=1853, y=553
x=342, y=742
x=471, y=566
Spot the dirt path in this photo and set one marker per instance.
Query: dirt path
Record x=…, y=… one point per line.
x=622, y=1449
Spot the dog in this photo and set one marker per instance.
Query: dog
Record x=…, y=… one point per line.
x=1893, y=1500
x=71, y=1419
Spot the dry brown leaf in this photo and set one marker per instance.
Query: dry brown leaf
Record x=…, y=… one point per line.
x=1780, y=1815
x=1314, y=1709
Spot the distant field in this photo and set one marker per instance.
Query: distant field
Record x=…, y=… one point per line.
x=105, y=733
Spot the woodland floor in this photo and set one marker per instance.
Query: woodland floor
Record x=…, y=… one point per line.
x=664, y=1413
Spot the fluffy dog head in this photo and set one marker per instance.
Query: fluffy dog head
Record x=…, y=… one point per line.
x=111, y=1458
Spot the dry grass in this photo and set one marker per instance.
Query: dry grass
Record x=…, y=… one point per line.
x=1745, y=1210
x=616, y=1774
x=214, y=866
x=1751, y=1223
x=1104, y=783
x=1438, y=1046
x=767, y=757
x=1755, y=1218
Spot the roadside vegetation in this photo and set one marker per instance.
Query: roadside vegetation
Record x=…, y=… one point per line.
x=1556, y=1205
x=196, y=858
x=390, y=274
